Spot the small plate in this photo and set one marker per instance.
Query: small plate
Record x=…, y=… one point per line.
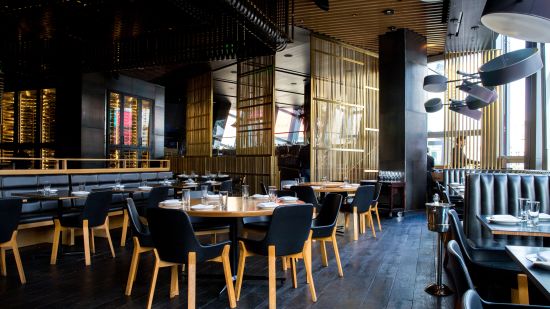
x=544, y=217
x=288, y=199
x=203, y=207
x=537, y=262
x=504, y=219
x=260, y=196
x=80, y=193
x=267, y=205
x=145, y=188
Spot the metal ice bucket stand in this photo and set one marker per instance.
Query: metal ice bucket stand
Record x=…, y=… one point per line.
x=438, y=221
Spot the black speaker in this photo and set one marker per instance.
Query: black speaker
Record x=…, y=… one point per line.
x=322, y=4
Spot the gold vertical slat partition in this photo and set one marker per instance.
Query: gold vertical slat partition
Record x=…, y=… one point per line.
x=483, y=143
x=199, y=116
x=255, y=106
x=344, y=111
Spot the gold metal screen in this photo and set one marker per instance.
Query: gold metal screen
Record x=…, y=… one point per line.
x=482, y=138
x=255, y=107
x=344, y=111
x=199, y=116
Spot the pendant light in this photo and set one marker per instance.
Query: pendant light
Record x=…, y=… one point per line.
x=511, y=66
x=435, y=83
x=527, y=20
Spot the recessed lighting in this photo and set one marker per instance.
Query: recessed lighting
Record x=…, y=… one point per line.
x=392, y=28
x=293, y=84
x=388, y=12
x=354, y=15
x=288, y=55
x=233, y=72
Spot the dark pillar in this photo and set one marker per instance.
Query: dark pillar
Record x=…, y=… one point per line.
x=533, y=120
x=403, y=131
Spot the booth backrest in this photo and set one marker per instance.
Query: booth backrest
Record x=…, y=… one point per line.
x=454, y=175
x=488, y=194
x=15, y=184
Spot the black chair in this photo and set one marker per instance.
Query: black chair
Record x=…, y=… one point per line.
x=227, y=185
x=288, y=236
x=458, y=269
x=10, y=212
x=374, y=208
x=324, y=227
x=359, y=206
x=142, y=242
x=306, y=194
x=176, y=244
x=94, y=216
x=263, y=188
x=471, y=300
x=281, y=193
x=288, y=182
x=491, y=267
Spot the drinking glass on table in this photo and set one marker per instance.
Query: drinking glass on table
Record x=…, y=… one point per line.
x=204, y=191
x=224, y=196
x=346, y=181
x=47, y=187
x=522, y=205
x=533, y=209
x=82, y=187
x=245, y=190
x=324, y=179
x=186, y=198
x=297, y=180
x=272, y=193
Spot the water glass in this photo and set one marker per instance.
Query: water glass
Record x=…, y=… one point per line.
x=533, y=213
x=144, y=183
x=522, y=211
x=204, y=191
x=272, y=193
x=82, y=187
x=324, y=179
x=346, y=181
x=297, y=180
x=224, y=196
x=246, y=191
x=186, y=198
x=302, y=179
x=47, y=187
x=117, y=183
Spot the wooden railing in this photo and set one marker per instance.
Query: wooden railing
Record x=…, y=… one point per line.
x=16, y=165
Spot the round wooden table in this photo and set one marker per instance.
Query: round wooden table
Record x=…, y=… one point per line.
x=330, y=187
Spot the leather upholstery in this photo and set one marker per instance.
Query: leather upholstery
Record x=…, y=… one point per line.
x=10, y=210
x=471, y=300
x=174, y=237
x=281, y=193
x=139, y=230
x=95, y=211
x=323, y=225
x=306, y=194
x=459, y=272
x=363, y=198
x=488, y=194
x=288, y=231
x=15, y=184
x=59, y=182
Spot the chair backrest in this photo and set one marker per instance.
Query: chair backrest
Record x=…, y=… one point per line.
x=458, y=234
x=97, y=207
x=227, y=185
x=306, y=194
x=363, y=198
x=10, y=210
x=157, y=195
x=289, y=229
x=263, y=188
x=173, y=235
x=471, y=300
x=137, y=227
x=286, y=193
x=459, y=271
x=377, y=191
x=329, y=210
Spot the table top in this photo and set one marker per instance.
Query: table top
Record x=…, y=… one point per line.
x=237, y=208
x=520, y=229
x=39, y=195
x=334, y=187
x=540, y=277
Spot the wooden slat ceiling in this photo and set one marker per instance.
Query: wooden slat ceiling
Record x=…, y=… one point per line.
x=360, y=22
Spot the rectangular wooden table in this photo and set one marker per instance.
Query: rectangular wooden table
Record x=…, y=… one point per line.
x=520, y=229
x=540, y=277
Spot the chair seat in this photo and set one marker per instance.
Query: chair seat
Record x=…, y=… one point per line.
x=257, y=226
x=211, y=251
x=71, y=220
x=256, y=246
x=347, y=208
x=37, y=217
x=321, y=231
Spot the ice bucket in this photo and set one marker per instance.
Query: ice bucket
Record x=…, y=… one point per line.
x=438, y=216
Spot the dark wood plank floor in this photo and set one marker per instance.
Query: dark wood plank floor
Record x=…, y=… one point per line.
x=389, y=271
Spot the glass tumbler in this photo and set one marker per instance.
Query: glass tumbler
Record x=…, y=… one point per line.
x=246, y=191
x=533, y=213
x=272, y=193
x=204, y=191
x=224, y=196
x=186, y=198
x=522, y=211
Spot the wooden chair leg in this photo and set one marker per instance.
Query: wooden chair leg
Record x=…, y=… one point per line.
x=337, y=254
x=71, y=237
x=153, y=280
x=377, y=217
x=174, y=285
x=125, y=221
x=109, y=237
x=324, y=259
x=92, y=241
x=55, y=242
x=17, y=258
x=523, y=290
x=307, y=261
x=355, y=224
x=293, y=268
x=371, y=224
x=133, y=268
x=85, y=235
x=3, y=268
x=228, y=276
x=213, y=238
x=191, y=283
x=284, y=263
x=240, y=269
x=272, y=277
x=346, y=220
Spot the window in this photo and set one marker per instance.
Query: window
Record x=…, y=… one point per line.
x=230, y=131
x=289, y=127
x=129, y=125
x=436, y=124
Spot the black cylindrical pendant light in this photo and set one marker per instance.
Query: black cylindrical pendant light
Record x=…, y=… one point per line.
x=527, y=20
x=478, y=92
x=511, y=66
x=433, y=105
x=435, y=83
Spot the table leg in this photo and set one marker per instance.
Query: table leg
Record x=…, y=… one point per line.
x=234, y=252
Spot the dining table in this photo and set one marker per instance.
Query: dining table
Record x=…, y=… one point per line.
x=330, y=187
x=542, y=229
x=524, y=257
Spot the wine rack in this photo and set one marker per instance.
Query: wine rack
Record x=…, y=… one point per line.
x=114, y=118
x=7, y=117
x=130, y=121
x=27, y=116
x=146, y=112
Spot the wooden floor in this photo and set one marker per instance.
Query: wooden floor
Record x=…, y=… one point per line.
x=390, y=271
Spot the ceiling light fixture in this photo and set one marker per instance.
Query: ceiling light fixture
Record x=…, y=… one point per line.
x=388, y=12
x=288, y=55
x=527, y=20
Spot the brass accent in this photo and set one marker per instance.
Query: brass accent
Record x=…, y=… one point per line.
x=344, y=111
x=484, y=142
x=199, y=116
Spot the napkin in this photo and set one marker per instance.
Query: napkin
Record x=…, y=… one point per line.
x=288, y=198
x=543, y=216
x=145, y=188
x=544, y=256
x=260, y=196
x=202, y=206
x=267, y=205
x=212, y=196
x=80, y=193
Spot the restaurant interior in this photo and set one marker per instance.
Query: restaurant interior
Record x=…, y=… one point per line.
x=275, y=153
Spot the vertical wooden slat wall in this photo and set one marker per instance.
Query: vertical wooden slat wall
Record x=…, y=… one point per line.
x=255, y=106
x=344, y=111
x=199, y=115
x=483, y=137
